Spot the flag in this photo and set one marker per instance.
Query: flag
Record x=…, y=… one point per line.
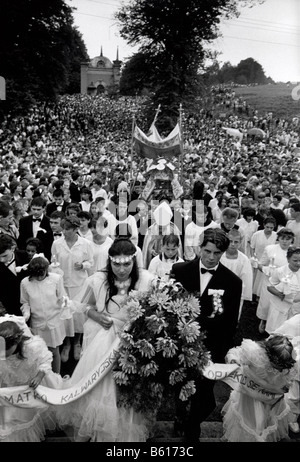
x=153, y=146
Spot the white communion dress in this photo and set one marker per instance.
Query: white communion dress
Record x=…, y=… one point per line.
x=281, y=310
x=96, y=416
x=19, y=424
x=247, y=419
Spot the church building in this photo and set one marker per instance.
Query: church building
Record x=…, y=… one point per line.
x=99, y=74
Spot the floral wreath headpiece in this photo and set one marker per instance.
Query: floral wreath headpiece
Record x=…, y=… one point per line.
x=126, y=259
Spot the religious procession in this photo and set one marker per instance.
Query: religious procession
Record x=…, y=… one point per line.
x=146, y=273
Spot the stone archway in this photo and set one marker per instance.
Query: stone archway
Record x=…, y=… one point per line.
x=100, y=89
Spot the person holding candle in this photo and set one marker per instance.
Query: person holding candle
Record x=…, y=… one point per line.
x=284, y=301
x=259, y=241
x=273, y=257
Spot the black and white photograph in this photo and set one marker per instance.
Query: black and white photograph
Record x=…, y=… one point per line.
x=149, y=284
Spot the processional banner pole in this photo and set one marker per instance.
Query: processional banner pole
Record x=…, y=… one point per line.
x=181, y=143
x=156, y=114
x=132, y=150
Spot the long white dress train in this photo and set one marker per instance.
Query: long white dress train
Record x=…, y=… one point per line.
x=96, y=416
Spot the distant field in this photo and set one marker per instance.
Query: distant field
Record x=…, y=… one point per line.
x=275, y=98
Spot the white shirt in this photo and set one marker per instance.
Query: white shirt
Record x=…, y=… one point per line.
x=130, y=220
x=160, y=266
x=100, y=193
x=12, y=266
x=205, y=277
x=82, y=252
x=36, y=225
x=241, y=266
x=192, y=236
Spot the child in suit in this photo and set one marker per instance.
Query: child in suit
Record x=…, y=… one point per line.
x=10, y=259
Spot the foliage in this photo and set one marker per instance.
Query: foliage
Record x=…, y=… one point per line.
x=161, y=348
x=251, y=71
x=175, y=34
x=136, y=75
x=248, y=71
x=40, y=49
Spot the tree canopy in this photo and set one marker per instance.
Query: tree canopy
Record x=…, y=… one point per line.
x=174, y=35
x=40, y=51
x=248, y=71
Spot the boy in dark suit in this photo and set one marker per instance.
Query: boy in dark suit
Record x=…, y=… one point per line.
x=35, y=225
x=75, y=186
x=205, y=276
x=58, y=203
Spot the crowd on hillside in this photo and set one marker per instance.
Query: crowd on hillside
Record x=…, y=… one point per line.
x=71, y=184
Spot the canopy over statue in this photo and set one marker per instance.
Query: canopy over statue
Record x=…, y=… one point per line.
x=154, y=146
x=161, y=174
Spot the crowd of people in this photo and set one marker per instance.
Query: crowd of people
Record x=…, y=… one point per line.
x=76, y=230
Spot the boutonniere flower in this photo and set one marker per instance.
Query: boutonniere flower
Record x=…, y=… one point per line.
x=217, y=301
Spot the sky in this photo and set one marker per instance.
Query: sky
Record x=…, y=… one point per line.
x=268, y=33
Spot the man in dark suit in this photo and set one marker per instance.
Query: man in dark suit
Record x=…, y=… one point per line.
x=10, y=275
x=55, y=233
x=35, y=225
x=76, y=186
x=232, y=186
x=58, y=203
x=201, y=276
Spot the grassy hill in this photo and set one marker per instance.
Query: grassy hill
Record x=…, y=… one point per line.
x=276, y=98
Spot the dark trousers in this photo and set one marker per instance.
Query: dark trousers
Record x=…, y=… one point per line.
x=201, y=406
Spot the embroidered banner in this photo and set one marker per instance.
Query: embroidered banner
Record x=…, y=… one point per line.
x=146, y=146
x=24, y=396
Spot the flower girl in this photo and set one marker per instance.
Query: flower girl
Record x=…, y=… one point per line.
x=42, y=297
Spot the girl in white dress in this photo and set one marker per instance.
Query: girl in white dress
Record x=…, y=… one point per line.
x=75, y=256
x=248, y=226
x=250, y=416
x=273, y=257
x=284, y=288
x=96, y=416
x=291, y=328
x=259, y=241
x=42, y=296
x=27, y=361
x=84, y=229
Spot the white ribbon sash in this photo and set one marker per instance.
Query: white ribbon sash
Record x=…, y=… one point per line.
x=237, y=377
x=25, y=397
x=241, y=378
